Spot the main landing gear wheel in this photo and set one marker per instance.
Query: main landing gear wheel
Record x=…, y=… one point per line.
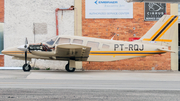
x=26, y=67
x=69, y=69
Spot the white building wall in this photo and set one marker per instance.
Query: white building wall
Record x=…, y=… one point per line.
x=19, y=18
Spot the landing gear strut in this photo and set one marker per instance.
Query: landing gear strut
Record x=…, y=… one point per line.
x=26, y=67
x=69, y=69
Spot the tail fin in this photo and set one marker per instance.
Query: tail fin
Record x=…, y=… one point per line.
x=161, y=33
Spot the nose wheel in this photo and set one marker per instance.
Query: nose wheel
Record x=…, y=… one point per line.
x=26, y=67
x=69, y=69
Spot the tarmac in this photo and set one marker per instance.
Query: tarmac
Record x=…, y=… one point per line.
x=55, y=85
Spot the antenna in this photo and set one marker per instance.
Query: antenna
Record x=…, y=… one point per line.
x=113, y=36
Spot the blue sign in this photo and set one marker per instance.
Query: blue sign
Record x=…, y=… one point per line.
x=108, y=9
x=105, y=2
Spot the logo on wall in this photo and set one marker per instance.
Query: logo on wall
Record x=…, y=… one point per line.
x=105, y=2
x=108, y=9
x=154, y=11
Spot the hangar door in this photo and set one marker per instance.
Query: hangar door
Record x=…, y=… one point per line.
x=179, y=35
x=179, y=45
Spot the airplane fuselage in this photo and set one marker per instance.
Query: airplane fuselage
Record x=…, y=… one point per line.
x=101, y=49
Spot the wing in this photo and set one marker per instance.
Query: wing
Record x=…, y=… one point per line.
x=72, y=51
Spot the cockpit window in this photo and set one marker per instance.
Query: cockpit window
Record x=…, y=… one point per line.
x=63, y=40
x=51, y=41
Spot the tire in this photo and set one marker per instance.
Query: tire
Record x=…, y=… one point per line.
x=69, y=69
x=26, y=68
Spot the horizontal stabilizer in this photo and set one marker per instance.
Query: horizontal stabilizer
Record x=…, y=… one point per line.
x=166, y=50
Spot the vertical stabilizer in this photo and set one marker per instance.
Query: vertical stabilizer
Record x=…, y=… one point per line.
x=162, y=32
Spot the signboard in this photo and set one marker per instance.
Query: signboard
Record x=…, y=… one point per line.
x=154, y=11
x=108, y=9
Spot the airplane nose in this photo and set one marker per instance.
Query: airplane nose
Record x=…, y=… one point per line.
x=3, y=51
x=9, y=51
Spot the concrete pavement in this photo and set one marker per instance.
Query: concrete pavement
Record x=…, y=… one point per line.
x=45, y=85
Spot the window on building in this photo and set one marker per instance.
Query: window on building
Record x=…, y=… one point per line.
x=63, y=40
x=105, y=46
x=93, y=45
x=77, y=41
x=1, y=37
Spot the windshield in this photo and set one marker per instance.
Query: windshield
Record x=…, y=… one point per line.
x=51, y=41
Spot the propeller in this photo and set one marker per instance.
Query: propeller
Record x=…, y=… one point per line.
x=25, y=49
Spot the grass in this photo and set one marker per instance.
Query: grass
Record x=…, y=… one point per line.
x=36, y=68
x=47, y=68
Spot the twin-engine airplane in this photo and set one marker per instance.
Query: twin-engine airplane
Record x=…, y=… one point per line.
x=77, y=48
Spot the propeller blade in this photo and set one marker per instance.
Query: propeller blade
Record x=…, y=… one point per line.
x=24, y=47
x=26, y=41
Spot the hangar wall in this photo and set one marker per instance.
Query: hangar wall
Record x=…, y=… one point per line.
x=126, y=28
x=1, y=10
x=21, y=15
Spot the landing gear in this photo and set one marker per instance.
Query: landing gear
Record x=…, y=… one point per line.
x=26, y=67
x=69, y=69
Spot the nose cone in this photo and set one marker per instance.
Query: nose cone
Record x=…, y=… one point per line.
x=10, y=51
x=23, y=47
x=3, y=51
x=6, y=51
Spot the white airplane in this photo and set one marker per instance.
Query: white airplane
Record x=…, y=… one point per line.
x=78, y=48
x=157, y=1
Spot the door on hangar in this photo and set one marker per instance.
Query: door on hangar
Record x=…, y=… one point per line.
x=179, y=46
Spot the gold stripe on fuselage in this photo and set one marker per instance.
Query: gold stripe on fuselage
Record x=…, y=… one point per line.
x=125, y=53
x=107, y=53
x=14, y=52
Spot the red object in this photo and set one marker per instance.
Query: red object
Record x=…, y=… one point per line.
x=56, y=14
x=134, y=38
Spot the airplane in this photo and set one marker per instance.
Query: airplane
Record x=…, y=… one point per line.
x=157, y=1
x=78, y=48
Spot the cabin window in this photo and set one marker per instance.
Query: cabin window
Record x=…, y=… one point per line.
x=63, y=40
x=93, y=45
x=105, y=46
x=77, y=41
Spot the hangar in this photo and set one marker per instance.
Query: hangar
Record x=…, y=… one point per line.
x=36, y=21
